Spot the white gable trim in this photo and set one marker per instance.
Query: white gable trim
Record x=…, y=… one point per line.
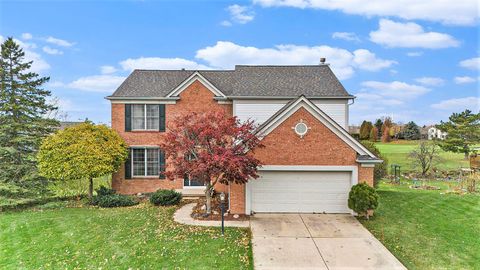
x=195, y=76
x=303, y=102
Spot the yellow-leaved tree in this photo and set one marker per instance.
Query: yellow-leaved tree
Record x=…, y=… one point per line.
x=83, y=151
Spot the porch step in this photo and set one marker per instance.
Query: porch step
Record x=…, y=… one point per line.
x=191, y=192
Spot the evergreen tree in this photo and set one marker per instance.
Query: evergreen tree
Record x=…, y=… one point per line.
x=365, y=129
x=463, y=132
x=411, y=131
x=378, y=125
x=23, y=110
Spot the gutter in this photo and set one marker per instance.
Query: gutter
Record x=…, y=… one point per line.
x=369, y=161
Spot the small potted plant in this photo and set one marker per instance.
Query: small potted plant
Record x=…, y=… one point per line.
x=363, y=199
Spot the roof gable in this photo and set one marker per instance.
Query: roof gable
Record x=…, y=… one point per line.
x=302, y=102
x=195, y=76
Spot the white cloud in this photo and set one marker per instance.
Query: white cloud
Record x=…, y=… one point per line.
x=52, y=51
x=349, y=36
x=39, y=64
x=226, y=55
x=414, y=54
x=459, y=13
x=464, y=79
x=410, y=35
x=27, y=36
x=458, y=104
x=431, y=81
x=241, y=14
x=159, y=63
x=377, y=99
x=226, y=23
x=472, y=63
x=367, y=60
x=395, y=89
x=108, y=69
x=97, y=83
x=59, y=42
x=54, y=84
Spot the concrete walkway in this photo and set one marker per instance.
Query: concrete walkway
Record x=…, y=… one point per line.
x=316, y=241
x=183, y=215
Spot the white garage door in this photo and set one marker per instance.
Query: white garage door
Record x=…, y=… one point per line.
x=305, y=192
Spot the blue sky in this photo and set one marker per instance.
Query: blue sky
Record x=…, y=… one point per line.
x=410, y=60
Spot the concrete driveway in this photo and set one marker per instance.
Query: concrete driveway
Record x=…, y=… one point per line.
x=316, y=241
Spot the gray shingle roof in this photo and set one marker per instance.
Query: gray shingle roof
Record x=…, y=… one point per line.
x=278, y=81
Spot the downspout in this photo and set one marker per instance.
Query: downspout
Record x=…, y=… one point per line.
x=229, y=199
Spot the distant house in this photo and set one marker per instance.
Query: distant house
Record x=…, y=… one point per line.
x=354, y=130
x=435, y=133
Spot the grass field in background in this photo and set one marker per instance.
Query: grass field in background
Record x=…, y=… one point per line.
x=397, y=153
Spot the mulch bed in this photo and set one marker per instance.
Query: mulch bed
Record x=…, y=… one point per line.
x=199, y=213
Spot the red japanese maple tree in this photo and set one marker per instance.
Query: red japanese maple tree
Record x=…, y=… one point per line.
x=211, y=148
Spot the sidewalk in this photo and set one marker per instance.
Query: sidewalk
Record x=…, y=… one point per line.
x=183, y=216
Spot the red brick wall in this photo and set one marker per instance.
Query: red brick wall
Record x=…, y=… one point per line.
x=195, y=98
x=320, y=146
x=365, y=174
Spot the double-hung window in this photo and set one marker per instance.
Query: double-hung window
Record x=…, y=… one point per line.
x=147, y=162
x=145, y=116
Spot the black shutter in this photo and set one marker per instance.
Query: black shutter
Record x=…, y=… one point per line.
x=128, y=117
x=128, y=165
x=162, y=118
x=161, y=163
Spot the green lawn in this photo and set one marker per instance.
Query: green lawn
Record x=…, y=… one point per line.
x=428, y=229
x=141, y=237
x=397, y=153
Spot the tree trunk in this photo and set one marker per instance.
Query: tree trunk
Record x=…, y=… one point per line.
x=90, y=190
x=208, y=195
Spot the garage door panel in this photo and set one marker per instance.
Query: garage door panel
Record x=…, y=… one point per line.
x=307, y=192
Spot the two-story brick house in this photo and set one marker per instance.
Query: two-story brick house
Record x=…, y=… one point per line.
x=302, y=111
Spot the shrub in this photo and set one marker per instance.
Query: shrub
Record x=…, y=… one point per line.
x=361, y=198
x=104, y=191
x=114, y=200
x=12, y=191
x=381, y=169
x=165, y=197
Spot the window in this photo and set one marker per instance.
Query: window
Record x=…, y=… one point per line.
x=146, y=116
x=147, y=162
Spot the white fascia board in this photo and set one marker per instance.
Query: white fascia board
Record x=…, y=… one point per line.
x=376, y=161
x=195, y=76
x=322, y=117
x=143, y=101
x=307, y=168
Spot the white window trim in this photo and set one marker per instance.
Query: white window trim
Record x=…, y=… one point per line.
x=144, y=118
x=145, y=162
